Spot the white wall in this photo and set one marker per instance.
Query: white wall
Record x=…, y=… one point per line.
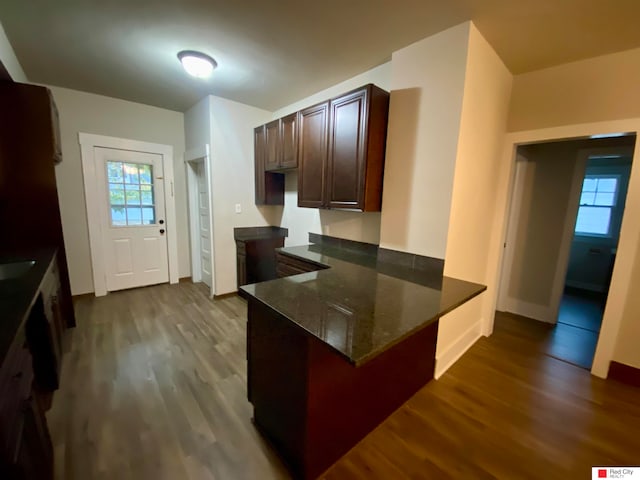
x=9, y=60
x=197, y=125
x=232, y=125
x=427, y=85
x=591, y=90
x=363, y=227
x=89, y=113
x=470, y=233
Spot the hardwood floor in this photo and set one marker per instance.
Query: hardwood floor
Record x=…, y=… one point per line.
x=576, y=334
x=154, y=386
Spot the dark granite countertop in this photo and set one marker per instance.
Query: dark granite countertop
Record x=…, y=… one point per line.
x=363, y=303
x=18, y=295
x=246, y=234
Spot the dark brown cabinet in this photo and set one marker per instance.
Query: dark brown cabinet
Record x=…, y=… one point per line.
x=338, y=147
x=45, y=329
x=314, y=132
x=272, y=145
x=281, y=143
x=26, y=452
x=269, y=185
x=351, y=163
x=255, y=253
x=289, y=141
x=287, y=266
x=29, y=149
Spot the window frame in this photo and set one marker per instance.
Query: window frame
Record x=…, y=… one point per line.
x=611, y=208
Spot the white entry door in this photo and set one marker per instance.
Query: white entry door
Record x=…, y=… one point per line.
x=131, y=192
x=205, y=232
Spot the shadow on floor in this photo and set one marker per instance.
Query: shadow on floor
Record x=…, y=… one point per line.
x=575, y=336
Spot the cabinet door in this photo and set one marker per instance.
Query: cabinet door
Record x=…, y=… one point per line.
x=241, y=267
x=259, y=150
x=272, y=142
x=312, y=155
x=289, y=141
x=347, y=151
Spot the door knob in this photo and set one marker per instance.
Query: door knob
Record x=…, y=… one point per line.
x=161, y=231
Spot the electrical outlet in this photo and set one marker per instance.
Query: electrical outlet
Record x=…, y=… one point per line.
x=238, y=208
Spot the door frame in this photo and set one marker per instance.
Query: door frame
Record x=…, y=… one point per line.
x=88, y=143
x=544, y=313
x=191, y=157
x=629, y=232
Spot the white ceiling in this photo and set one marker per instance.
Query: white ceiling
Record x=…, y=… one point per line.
x=272, y=53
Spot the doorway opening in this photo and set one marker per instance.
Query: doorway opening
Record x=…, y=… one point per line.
x=564, y=222
x=198, y=168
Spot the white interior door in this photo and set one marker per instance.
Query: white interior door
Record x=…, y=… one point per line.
x=203, y=222
x=131, y=193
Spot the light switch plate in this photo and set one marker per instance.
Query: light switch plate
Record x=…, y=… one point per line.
x=238, y=208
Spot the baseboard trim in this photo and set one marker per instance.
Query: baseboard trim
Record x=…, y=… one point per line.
x=458, y=348
x=82, y=296
x=624, y=373
x=225, y=295
x=529, y=310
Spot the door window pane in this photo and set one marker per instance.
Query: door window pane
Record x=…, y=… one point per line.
x=148, y=216
x=133, y=195
x=134, y=216
x=118, y=216
x=116, y=194
x=146, y=194
x=130, y=186
x=145, y=174
x=114, y=172
x=131, y=173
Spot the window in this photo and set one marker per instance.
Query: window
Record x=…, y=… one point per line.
x=597, y=200
x=131, y=199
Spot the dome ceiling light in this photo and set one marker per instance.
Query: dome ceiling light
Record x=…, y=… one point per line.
x=197, y=64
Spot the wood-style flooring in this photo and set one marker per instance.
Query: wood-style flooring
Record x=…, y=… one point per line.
x=575, y=336
x=154, y=387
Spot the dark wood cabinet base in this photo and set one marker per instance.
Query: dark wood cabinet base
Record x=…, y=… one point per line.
x=311, y=403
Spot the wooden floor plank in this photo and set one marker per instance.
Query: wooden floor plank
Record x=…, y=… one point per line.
x=154, y=387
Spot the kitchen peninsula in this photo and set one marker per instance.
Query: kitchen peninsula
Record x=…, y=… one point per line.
x=334, y=350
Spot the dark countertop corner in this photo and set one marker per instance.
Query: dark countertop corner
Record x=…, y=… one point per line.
x=244, y=234
x=364, y=302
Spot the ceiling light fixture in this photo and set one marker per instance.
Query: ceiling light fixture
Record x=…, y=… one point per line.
x=197, y=64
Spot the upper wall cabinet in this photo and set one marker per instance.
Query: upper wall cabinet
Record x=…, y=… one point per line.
x=269, y=185
x=338, y=147
x=342, y=146
x=313, y=144
x=281, y=147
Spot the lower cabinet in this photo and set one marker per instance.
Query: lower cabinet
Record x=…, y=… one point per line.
x=34, y=459
x=29, y=374
x=26, y=451
x=256, y=260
